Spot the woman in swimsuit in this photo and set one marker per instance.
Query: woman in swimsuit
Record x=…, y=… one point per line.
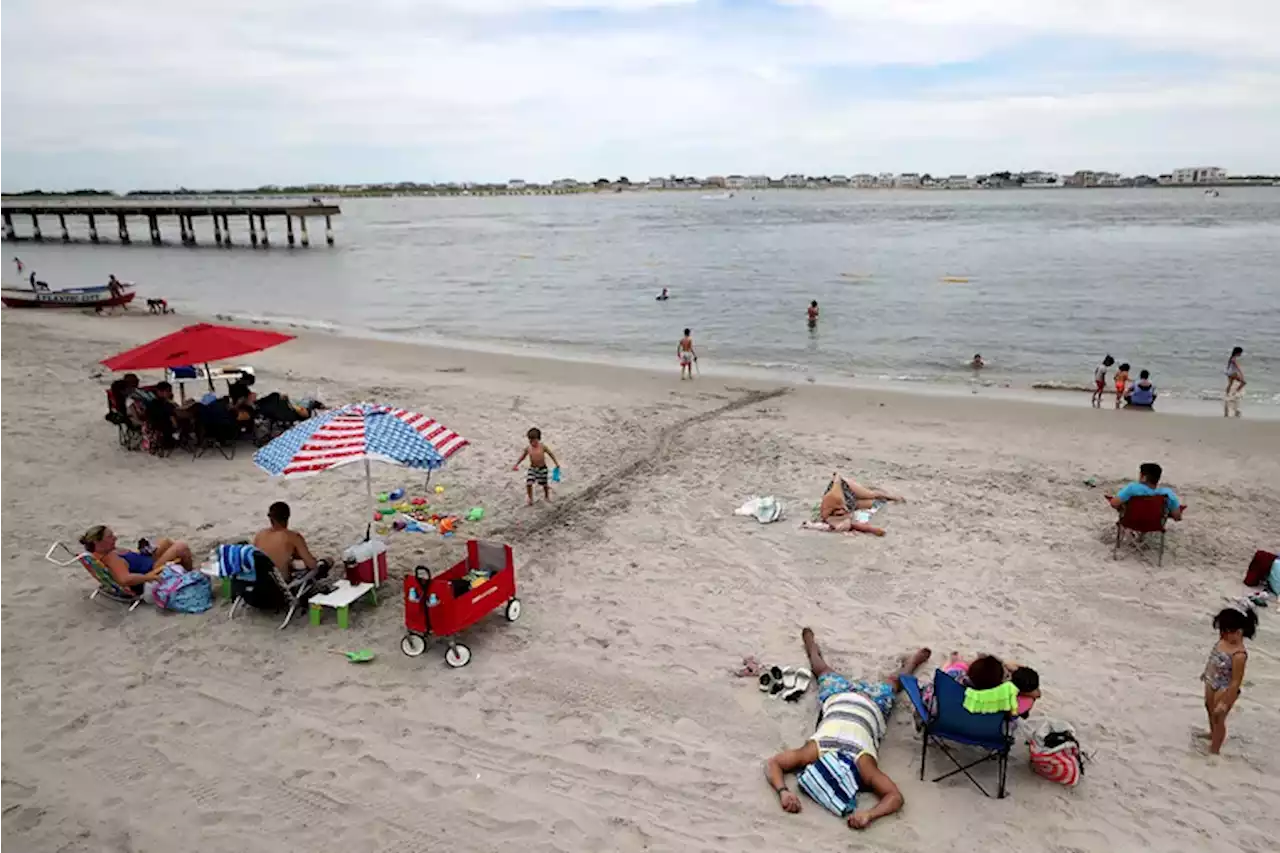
x=843, y=498
x=1224, y=671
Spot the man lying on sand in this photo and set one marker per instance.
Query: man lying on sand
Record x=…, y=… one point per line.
x=854, y=715
x=131, y=569
x=283, y=545
x=843, y=498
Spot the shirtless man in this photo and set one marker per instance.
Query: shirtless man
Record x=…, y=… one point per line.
x=684, y=352
x=837, y=512
x=853, y=721
x=132, y=569
x=283, y=545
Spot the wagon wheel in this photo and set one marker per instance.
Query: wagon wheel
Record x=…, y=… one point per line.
x=413, y=644
x=513, y=610
x=457, y=655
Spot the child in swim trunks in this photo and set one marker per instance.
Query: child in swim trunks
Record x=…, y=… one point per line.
x=686, y=355
x=1100, y=380
x=537, y=454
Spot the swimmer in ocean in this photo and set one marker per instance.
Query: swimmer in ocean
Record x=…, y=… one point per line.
x=662, y=297
x=977, y=363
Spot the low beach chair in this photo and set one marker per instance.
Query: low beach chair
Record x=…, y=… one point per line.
x=268, y=589
x=128, y=433
x=1142, y=516
x=107, y=587
x=949, y=721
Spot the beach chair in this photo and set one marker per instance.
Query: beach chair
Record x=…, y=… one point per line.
x=107, y=587
x=269, y=591
x=1142, y=516
x=128, y=433
x=949, y=721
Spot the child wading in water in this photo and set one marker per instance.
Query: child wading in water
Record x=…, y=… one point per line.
x=1100, y=380
x=537, y=454
x=1235, y=378
x=684, y=352
x=1224, y=671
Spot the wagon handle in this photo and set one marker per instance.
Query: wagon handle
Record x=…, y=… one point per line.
x=418, y=572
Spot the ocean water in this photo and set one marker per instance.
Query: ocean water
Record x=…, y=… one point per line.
x=1168, y=280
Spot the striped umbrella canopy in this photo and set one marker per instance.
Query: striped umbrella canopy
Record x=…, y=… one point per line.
x=360, y=432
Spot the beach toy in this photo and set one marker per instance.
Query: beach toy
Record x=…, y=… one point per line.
x=1091, y=482
x=377, y=515
x=359, y=656
x=383, y=497
x=400, y=523
x=439, y=490
x=402, y=507
x=396, y=494
x=555, y=474
x=382, y=530
x=419, y=501
x=388, y=511
x=446, y=525
x=475, y=513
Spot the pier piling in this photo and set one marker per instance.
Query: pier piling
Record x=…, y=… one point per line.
x=186, y=210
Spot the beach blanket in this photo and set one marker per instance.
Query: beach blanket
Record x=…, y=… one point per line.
x=236, y=561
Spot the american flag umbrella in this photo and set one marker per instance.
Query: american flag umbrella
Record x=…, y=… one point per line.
x=360, y=432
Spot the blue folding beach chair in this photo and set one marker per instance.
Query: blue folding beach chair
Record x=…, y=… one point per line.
x=951, y=722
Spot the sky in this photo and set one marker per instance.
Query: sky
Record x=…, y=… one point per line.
x=239, y=93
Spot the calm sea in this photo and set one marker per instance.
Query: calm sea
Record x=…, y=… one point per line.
x=1168, y=280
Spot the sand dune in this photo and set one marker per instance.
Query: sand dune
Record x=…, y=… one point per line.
x=607, y=718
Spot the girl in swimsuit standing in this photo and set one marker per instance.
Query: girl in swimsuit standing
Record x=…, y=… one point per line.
x=1224, y=671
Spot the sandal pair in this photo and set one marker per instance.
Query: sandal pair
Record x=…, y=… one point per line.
x=790, y=682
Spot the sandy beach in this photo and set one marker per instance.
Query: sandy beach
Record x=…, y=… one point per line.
x=607, y=717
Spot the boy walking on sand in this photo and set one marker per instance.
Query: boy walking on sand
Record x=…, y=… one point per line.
x=1100, y=380
x=537, y=454
x=684, y=352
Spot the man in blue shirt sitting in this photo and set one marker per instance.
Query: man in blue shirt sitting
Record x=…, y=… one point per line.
x=1149, y=474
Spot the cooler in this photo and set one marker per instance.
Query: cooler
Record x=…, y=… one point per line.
x=366, y=562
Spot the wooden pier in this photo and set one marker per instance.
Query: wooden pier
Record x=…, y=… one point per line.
x=222, y=214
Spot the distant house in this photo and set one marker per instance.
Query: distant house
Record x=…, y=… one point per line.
x=1109, y=179
x=840, y=180
x=1082, y=178
x=758, y=182
x=1199, y=175
x=1164, y=180
x=715, y=181
x=736, y=182
x=564, y=184
x=1037, y=179
x=517, y=185
x=885, y=179
x=794, y=181
x=907, y=180
x=958, y=182
x=863, y=181
x=657, y=183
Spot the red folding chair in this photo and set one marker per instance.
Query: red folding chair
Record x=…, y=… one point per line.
x=1142, y=516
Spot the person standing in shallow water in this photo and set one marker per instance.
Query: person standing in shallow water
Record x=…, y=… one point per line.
x=813, y=314
x=686, y=355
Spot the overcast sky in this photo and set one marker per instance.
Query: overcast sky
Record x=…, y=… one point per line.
x=142, y=93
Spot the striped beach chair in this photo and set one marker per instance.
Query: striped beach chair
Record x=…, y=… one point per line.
x=107, y=587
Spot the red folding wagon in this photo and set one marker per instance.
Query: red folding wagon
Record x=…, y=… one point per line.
x=453, y=601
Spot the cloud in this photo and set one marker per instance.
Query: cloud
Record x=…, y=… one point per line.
x=136, y=93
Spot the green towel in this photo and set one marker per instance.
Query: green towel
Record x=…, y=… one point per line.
x=996, y=700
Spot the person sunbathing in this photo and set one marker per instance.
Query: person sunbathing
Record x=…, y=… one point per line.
x=133, y=569
x=282, y=545
x=853, y=721
x=845, y=497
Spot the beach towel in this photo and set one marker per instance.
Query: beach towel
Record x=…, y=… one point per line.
x=765, y=509
x=236, y=561
x=832, y=782
x=996, y=700
x=181, y=591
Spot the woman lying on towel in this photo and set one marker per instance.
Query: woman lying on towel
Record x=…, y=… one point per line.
x=843, y=499
x=133, y=569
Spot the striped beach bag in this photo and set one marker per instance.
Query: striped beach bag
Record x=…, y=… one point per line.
x=1055, y=752
x=832, y=781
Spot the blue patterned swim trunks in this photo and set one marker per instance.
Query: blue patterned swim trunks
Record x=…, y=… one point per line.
x=831, y=683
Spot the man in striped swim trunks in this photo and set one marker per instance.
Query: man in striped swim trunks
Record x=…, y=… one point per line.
x=854, y=714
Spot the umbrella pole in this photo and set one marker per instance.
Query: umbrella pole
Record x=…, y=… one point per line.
x=368, y=484
x=209, y=376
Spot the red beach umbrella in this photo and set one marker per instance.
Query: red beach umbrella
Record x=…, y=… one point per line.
x=201, y=343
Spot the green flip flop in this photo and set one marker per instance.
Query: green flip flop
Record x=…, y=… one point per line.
x=360, y=656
